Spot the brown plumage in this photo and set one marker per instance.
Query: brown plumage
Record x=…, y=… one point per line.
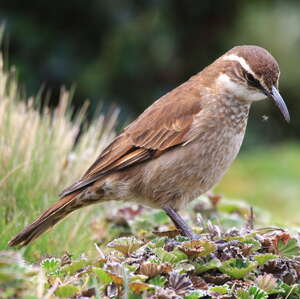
x=49, y=218
x=179, y=147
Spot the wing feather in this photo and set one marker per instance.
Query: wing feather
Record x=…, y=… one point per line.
x=162, y=126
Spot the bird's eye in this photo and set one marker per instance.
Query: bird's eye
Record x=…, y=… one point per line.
x=252, y=81
x=250, y=78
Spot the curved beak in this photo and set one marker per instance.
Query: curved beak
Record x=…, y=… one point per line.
x=277, y=98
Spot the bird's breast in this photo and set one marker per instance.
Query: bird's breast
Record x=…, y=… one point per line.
x=186, y=172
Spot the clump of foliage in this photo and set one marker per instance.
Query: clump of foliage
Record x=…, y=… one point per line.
x=241, y=262
x=41, y=152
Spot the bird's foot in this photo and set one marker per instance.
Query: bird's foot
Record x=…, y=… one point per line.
x=181, y=224
x=189, y=234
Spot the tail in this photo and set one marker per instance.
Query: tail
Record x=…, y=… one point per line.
x=49, y=218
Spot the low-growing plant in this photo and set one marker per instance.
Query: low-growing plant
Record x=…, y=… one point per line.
x=237, y=263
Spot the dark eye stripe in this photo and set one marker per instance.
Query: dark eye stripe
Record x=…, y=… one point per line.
x=252, y=81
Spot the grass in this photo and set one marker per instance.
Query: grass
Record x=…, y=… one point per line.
x=268, y=178
x=38, y=157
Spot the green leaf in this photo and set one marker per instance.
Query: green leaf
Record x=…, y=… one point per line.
x=257, y=293
x=255, y=244
x=170, y=257
x=243, y=294
x=263, y=258
x=237, y=268
x=289, y=290
x=102, y=275
x=50, y=265
x=158, y=281
x=195, y=295
x=252, y=293
x=138, y=277
x=75, y=266
x=132, y=295
x=225, y=289
x=66, y=291
x=157, y=242
x=203, y=267
x=156, y=261
x=289, y=249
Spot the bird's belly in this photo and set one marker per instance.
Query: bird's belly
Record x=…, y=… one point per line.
x=184, y=173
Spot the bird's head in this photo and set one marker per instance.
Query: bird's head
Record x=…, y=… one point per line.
x=251, y=74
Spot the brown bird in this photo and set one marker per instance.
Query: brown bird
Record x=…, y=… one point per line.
x=179, y=147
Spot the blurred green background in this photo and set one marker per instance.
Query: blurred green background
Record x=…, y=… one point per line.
x=129, y=53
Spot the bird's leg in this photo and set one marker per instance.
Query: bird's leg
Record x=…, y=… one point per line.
x=179, y=222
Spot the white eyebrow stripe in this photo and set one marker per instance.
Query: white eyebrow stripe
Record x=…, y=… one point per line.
x=241, y=60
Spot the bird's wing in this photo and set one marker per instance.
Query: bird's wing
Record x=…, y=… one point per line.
x=162, y=126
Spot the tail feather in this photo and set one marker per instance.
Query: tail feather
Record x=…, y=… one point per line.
x=44, y=222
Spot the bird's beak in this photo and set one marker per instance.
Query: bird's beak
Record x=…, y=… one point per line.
x=277, y=98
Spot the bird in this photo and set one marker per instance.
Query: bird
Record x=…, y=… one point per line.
x=180, y=146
